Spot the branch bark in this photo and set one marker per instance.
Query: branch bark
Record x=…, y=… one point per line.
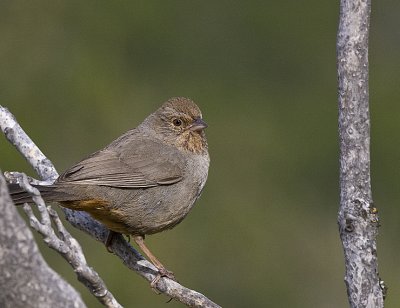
x=357, y=217
x=61, y=241
x=83, y=221
x=25, y=278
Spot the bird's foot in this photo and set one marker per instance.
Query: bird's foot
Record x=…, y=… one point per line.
x=162, y=272
x=109, y=240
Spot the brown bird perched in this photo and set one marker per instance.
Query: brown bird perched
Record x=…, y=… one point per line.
x=144, y=182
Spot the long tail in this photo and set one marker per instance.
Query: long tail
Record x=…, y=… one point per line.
x=48, y=193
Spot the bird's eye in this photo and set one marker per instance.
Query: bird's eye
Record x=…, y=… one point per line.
x=177, y=122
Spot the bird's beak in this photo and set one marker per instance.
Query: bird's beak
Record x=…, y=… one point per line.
x=197, y=125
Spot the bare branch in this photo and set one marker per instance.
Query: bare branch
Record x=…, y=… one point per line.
x=81, y=220
x=14, y=133
x=357, y=217
x=65, y=244
x=25, y=277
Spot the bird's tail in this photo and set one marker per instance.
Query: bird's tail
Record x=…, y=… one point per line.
x=49, y=194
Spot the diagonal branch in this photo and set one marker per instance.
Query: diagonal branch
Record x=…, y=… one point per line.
x=357, y=217
x=81, y=220
x=25, y=277
x=65, y=245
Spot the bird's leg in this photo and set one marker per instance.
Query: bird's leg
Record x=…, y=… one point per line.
x=109, y=240
x=162, y=271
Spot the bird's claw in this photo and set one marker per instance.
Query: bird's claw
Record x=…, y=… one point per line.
x=162, y=272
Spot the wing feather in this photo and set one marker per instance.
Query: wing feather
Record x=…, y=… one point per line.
x=138, y=164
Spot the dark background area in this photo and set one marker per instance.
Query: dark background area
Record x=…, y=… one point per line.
x=264, y=233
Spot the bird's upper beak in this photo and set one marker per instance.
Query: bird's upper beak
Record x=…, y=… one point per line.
x=197, y=125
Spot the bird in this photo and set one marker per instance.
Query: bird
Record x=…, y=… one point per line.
x=144, y=182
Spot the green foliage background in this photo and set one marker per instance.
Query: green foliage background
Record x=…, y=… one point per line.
x=77, y=74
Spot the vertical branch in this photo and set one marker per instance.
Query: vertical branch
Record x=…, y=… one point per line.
x=357, y=217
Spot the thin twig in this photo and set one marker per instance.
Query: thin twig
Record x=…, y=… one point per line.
x=65, y=245
x=25, y=277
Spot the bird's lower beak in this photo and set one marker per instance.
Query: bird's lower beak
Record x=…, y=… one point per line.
x=197, y=125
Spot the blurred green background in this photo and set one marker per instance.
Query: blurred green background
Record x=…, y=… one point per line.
x=77, y=74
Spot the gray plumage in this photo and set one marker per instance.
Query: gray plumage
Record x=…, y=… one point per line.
x=144, y=182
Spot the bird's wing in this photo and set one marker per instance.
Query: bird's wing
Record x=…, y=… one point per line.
x=137, y=164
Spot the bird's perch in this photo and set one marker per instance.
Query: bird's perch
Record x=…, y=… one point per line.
x=130, y=257
x=25, y=277
x=357, y=218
